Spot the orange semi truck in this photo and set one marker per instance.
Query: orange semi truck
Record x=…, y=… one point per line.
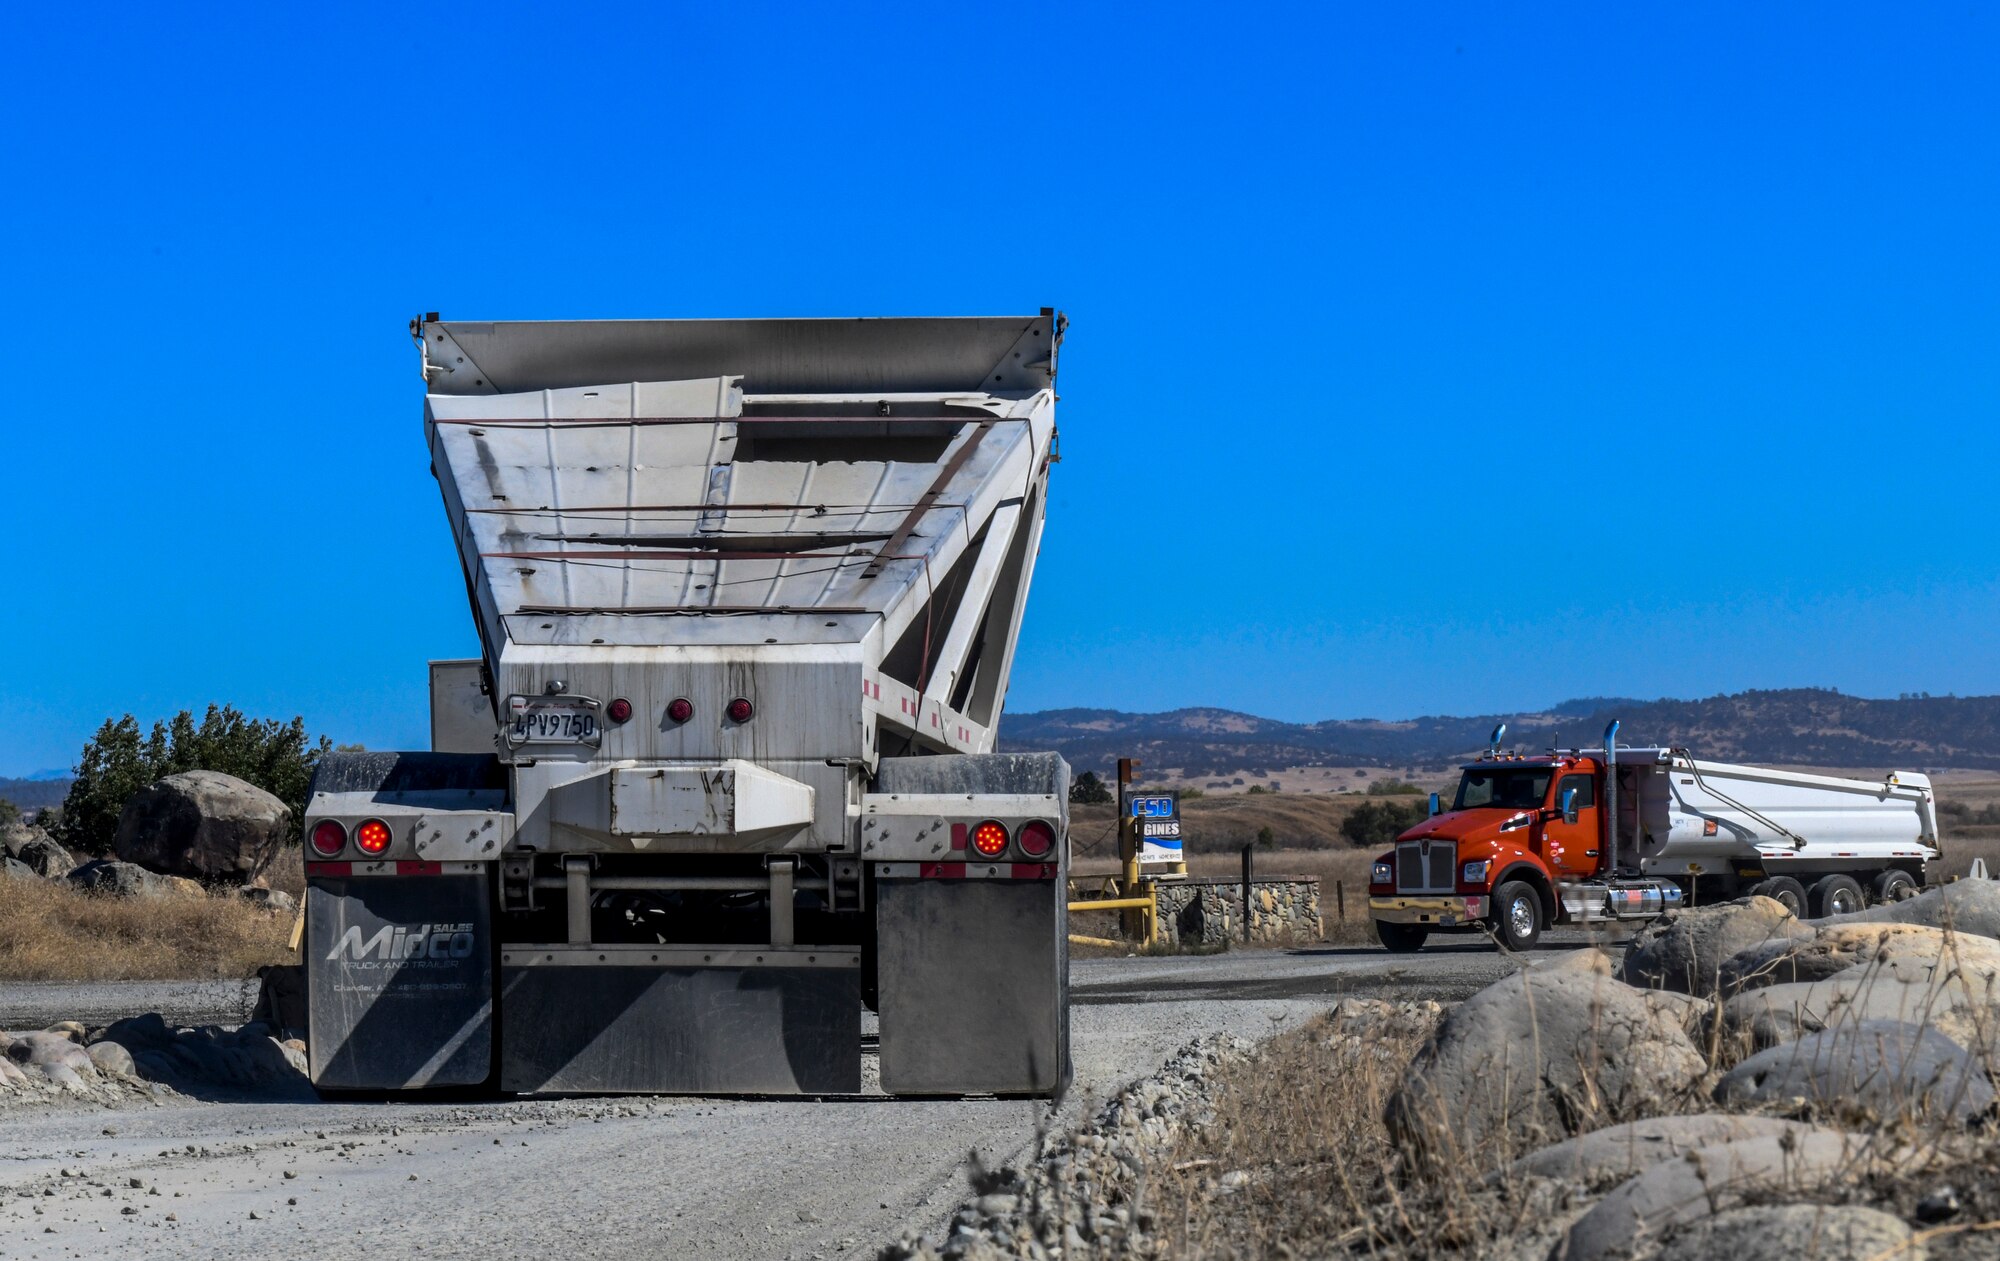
x=1587, y=836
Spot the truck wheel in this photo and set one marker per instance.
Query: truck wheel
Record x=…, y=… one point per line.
x=1894, y=886
x=1517, y=915
x=1783, y=889
x=1401, y=939
x=1837, y=895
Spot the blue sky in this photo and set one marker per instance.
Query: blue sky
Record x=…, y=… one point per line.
x=1422, y=359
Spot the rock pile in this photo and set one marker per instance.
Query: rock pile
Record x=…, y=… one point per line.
x=144, y=1058
x=1742, y=1084
x=186, y=835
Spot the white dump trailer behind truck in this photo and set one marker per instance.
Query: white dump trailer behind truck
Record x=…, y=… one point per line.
x=724, y=773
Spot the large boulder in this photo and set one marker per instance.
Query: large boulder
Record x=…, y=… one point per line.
x=118, y=880
x=15, y=869
x=15, y=835
x=1674, y=1195
x=1963, y=1003
x=1606, y=1157
x=1795, y=1232
x=1548, y=1052
x=41, y=853
x=1685, y=950
x=1844, y=944
x=1872, y=1069
x=204, y=825
x=1968, y=906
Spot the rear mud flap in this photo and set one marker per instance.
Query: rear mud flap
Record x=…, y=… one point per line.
x=973, y=986
x=574, y=1025
x=401, y=981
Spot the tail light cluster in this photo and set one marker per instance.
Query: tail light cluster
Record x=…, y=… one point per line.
x=329, y=837
x=1035, y=839
x=681, y=709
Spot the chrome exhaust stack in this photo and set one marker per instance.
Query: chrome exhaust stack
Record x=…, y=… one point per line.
x=1611, y=800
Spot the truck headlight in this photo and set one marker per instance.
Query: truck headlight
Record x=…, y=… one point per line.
x=1475, y=872
x=1382, y=873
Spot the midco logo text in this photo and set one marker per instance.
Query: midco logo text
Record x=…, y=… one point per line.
x=441, y=942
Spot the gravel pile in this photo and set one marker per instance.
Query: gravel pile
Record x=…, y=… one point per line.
x=1085, y=1193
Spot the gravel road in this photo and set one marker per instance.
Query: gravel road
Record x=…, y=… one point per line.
x=607, y=1177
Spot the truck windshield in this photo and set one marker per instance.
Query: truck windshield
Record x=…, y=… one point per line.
x=1511, y=789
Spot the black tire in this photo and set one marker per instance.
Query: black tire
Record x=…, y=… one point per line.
x=1517, y=915
x=1401, y=939
x=1837, y=895
x=1894, y=885
x=1786, y=890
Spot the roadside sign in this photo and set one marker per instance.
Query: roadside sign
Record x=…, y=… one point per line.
x=1156, y=817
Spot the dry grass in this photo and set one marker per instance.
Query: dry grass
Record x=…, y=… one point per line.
x=51, y=932
x=1303, y=1119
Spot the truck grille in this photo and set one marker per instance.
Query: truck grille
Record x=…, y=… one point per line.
x=1416, y=874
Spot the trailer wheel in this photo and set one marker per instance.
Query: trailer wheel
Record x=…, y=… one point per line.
x=1837, y=895
x=1783, y=889
x=1401, y=939
x=1894, y=885
x=1517, y=915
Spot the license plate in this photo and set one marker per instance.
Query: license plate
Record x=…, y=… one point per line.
x=534, y=720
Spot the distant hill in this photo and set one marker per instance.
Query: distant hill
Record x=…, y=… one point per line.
x=1797, y=726
x=36, y=792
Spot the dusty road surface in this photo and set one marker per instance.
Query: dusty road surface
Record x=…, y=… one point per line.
x=615, y=1177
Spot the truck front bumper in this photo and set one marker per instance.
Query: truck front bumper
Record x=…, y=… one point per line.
x=1438, y=912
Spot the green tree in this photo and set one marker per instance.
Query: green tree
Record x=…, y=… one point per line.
x=1377, y=824
x=277, y=757
x=10, y=814
x=1266, y=837
x=1088, y=790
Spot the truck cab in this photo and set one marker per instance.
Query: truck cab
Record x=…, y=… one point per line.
x=1515, y=830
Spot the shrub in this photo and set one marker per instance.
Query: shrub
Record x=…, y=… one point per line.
x=277, y=757
x=1266, y=837
x=1392, y=788
x=1379, y=823
x=10, y=814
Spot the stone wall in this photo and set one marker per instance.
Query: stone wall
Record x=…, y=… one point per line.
x=1208, y=910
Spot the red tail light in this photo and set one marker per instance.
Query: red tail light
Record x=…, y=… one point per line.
x=372, y=836
x=740, y=710
x=1036, y=839
x=618, y=710
x=680, y=709
x=989, y=839
x=328, y=838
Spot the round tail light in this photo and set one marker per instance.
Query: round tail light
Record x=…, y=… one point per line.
x=1036, y=839
x=618, y=710
x=372, y=836
x=328, y=838
x=740, y=710
x=680, y=709
x=989, y=839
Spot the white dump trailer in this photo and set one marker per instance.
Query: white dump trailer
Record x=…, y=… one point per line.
x=1579, y=836
x=724, y=773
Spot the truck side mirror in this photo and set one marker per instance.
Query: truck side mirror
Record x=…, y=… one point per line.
x=1569, y=805
x=1437, y=808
